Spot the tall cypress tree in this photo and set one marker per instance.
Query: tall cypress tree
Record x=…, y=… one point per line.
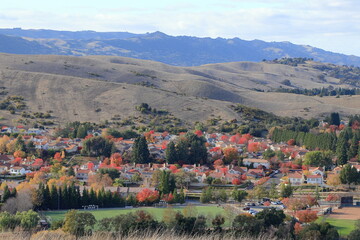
x=6, y=194
x=54, y=198
x=342, y=148
x=354, y=147
x=47, y=199
x=140, y=153
x=92, y=197
x=85, y=197
x=170, y=153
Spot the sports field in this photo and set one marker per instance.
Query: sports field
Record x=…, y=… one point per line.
x=343, y=219
x=208, y=211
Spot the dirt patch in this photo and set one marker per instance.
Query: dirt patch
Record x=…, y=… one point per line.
x=350, y=213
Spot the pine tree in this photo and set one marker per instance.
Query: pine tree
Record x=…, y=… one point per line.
x=13, y=192
x=354, y=147
x=140, y=153
x=54, y=198
x=6, y=194
x=341, y=148
x=70, y=172
x=176, y=196
x=171, y=154
x=85, y=197
x=92, y=197
x=46, y=198
x=182, y=196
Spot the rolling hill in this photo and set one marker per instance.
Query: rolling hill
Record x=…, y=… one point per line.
x=97, y=88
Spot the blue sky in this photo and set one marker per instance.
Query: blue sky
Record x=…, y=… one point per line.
x=329, y=24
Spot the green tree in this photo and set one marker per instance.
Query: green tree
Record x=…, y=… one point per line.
x=171, y=154
x=239, y=195
x=98, y=146
x=28, y=220
x=78, y=223
x=318, y=158
x=167, y=182
x=112, y=172
x=334, y=119
x=321, y=231
x=260, y=192
x=268, y=154
x=9, y=221
x=206, y=195
x=6, y=194
x=140, y=152
x=271, y=217
x=349, y=175
x=273, y=192
x=286, y=190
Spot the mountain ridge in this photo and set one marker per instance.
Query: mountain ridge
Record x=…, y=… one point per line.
x=158, y=46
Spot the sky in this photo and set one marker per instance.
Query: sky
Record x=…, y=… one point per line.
x=333, y=25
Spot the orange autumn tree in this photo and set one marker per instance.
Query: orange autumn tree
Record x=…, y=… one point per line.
x=306, y=216
x=57, y=157
x=19, y=154
x=116, y=159
x=253, y=147
x=147, y=196
x=230, y=154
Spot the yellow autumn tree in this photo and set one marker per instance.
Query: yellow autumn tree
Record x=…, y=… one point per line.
x=3, y=142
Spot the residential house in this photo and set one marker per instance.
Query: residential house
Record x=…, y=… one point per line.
x=18, y=170
x=296, y=178
x=256, y=162
x=83, y=175
x=255, y=173
x=315, y=179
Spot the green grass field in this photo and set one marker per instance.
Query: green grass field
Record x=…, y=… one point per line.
x=208, y=211
x=343, y=226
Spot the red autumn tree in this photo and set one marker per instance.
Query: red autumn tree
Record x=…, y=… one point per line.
x=310, y=201
x=306, y=216
x=224, y=138
x=173, y=168
x=253, y=147
x=291, y=142
x=168, y=198
x=219, y=162
x=236, y=181
x=297, y=228
x=147, y=196
x=332, y=198
x=199, y=133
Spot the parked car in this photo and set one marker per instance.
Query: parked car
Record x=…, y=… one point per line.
x=250, y=204
x=246, y=208
x=252, y=212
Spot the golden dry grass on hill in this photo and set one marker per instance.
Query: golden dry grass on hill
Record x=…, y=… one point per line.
x=96, y=88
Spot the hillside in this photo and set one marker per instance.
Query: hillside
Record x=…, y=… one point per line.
x=157, y=46
x=100, y=88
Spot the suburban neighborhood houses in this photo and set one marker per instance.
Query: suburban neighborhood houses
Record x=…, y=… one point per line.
x=83, y=168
